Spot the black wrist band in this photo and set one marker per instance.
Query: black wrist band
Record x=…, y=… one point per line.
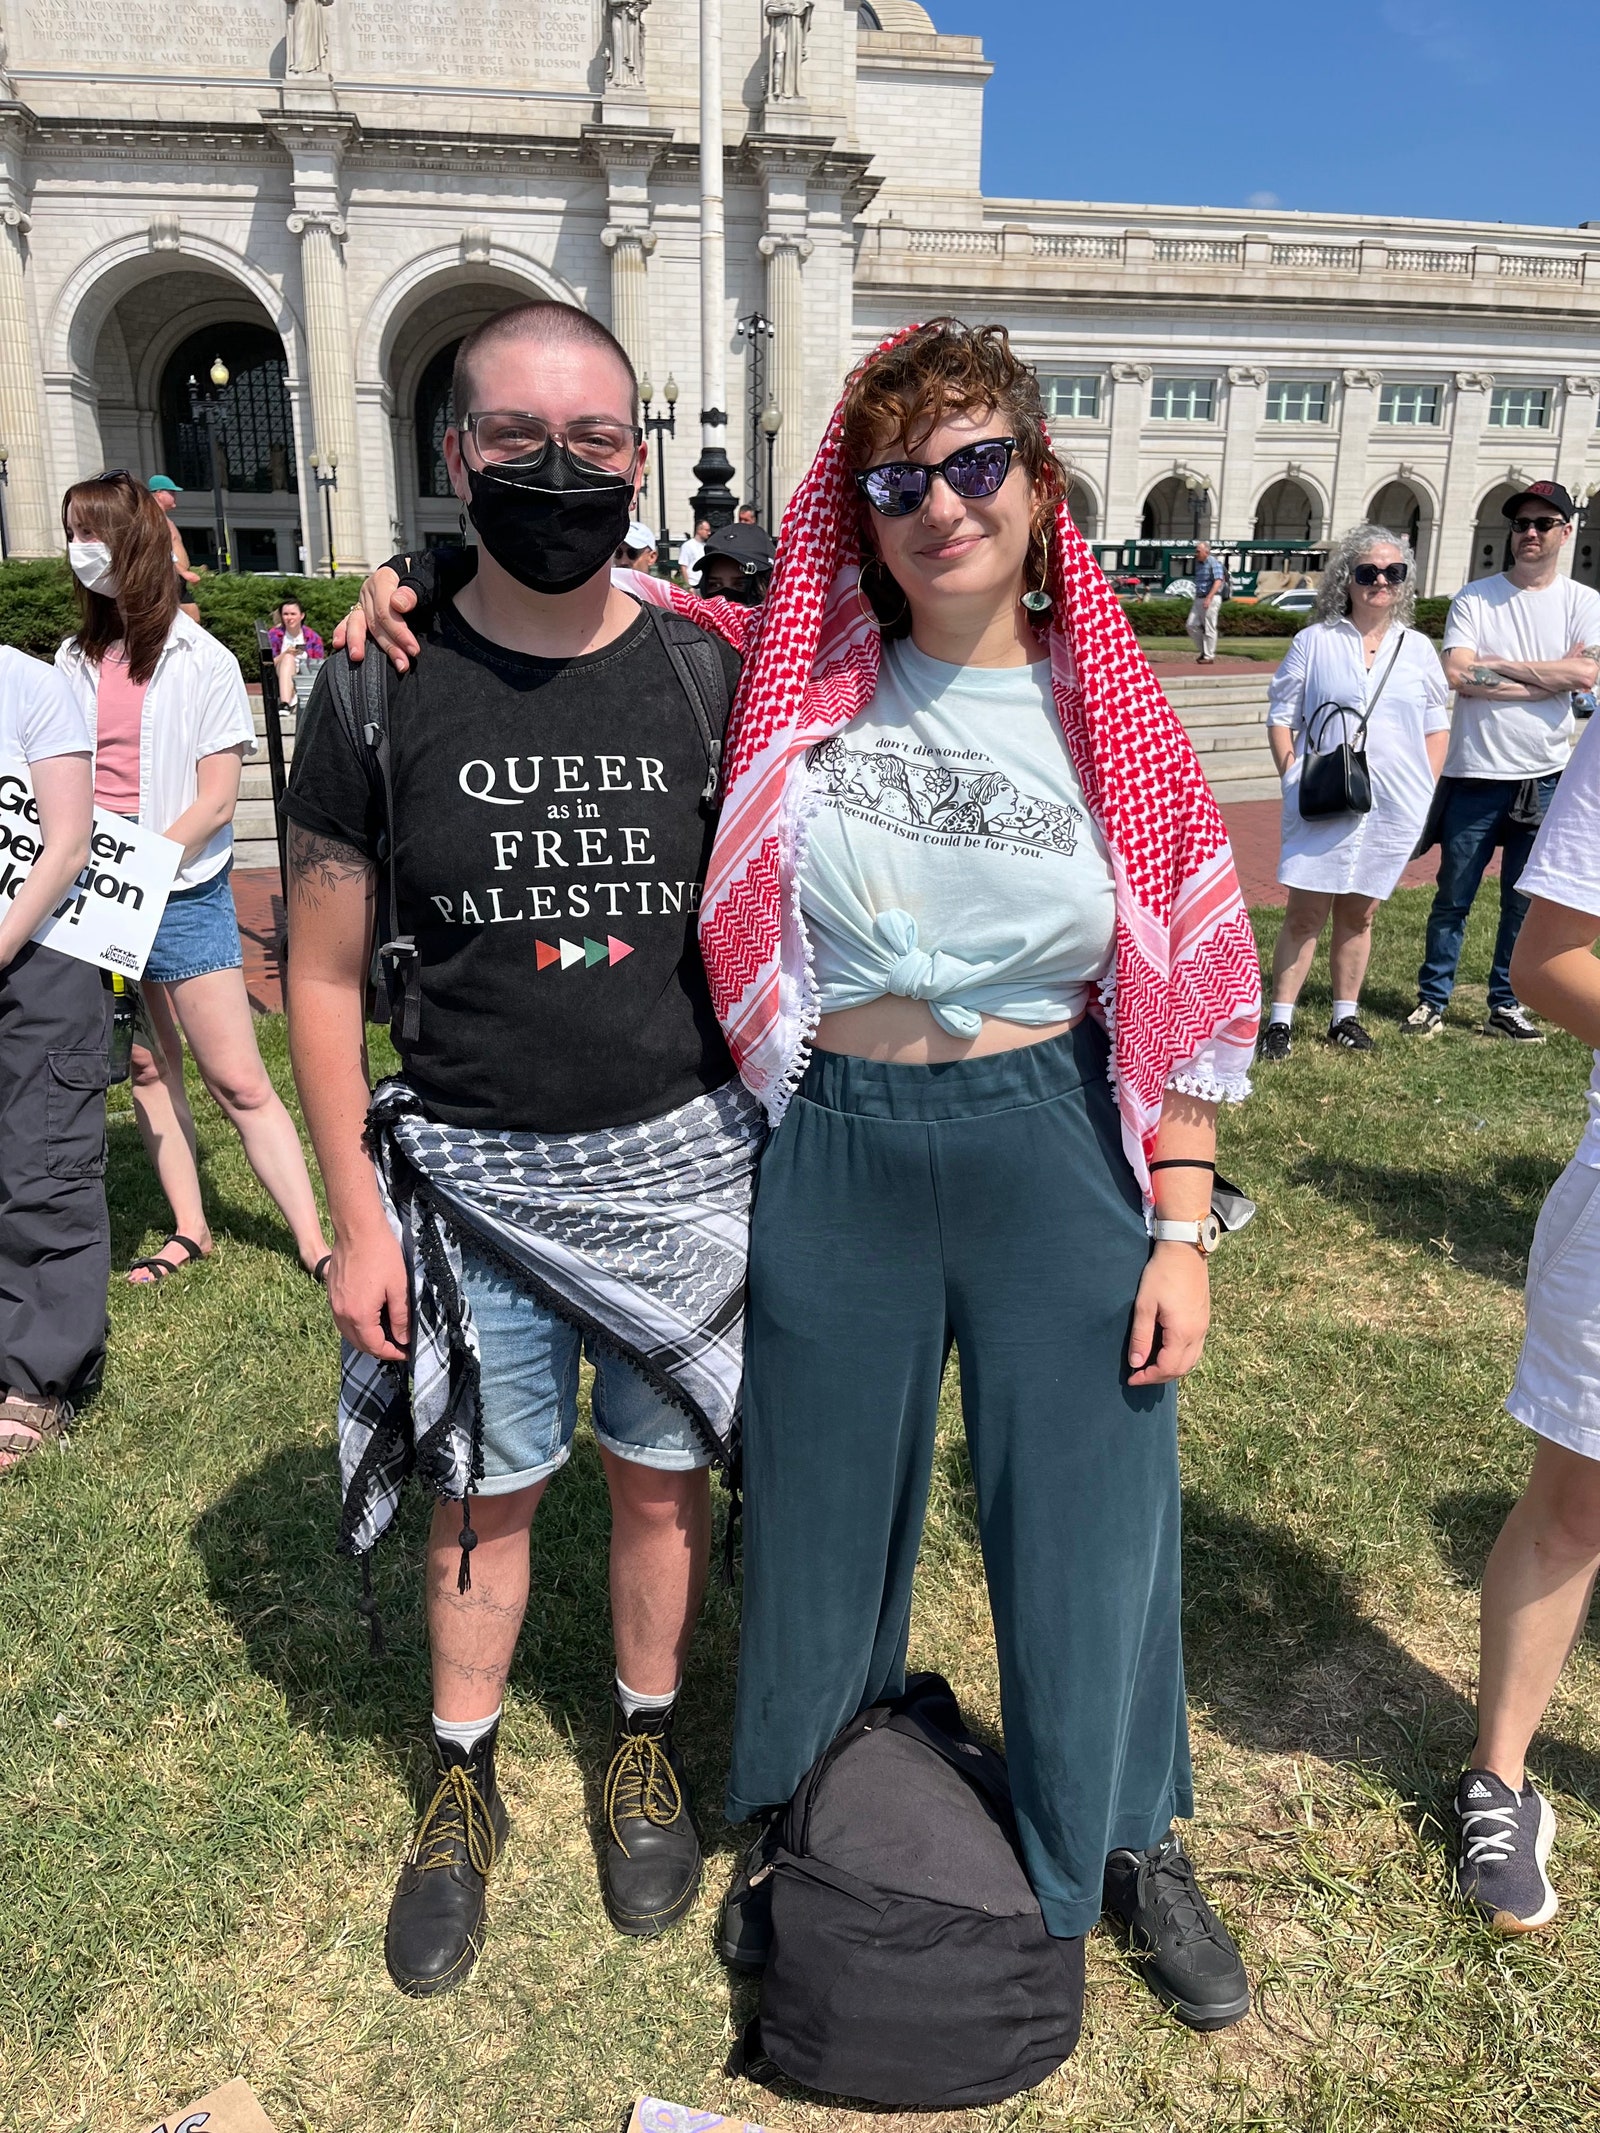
x=1181, y=1162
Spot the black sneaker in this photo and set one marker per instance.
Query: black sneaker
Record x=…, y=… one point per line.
x=1349, y=1036
x=436, y=1920
x=650, y=1868
x=1190, y=1960
x=1515, y=1023
x=1423, y=1021
x=1276, y=1042
x=744, y=1939
x=1505, y=1840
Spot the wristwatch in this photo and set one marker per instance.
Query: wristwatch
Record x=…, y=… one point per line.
x=1204, y=1235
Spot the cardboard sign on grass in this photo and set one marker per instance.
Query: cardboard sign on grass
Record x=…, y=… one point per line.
x=230, y=2109
x=110, y=914
x=651, y=2115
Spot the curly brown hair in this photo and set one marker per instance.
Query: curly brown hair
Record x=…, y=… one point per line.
x=944, y=368
x=120, y=511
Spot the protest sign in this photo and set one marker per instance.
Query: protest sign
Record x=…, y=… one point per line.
x=651, y=2115
x=110, y=914
x=230, y=2109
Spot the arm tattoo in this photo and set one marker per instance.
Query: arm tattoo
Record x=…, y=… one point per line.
x=1486, y=677
x=318, y=864
x=1590, y=651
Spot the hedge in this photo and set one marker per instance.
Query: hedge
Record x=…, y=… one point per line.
x=1245, y=618
x=37, y=608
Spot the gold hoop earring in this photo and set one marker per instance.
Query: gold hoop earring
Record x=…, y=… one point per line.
x=868, y=606
x=1038, y=602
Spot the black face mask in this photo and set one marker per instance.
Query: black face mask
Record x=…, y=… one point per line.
x=550, y=522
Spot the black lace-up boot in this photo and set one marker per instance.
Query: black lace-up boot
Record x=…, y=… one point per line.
x=436, y=1921
x=1190, y=1960
x=651, y=1865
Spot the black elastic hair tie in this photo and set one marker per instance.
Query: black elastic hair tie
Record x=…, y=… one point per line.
x=1181, y=1162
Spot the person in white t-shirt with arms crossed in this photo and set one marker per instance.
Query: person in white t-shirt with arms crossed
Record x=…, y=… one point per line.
x=1515, y=647
x=1541, y=1572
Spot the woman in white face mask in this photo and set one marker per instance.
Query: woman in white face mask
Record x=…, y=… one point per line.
x=166, y=704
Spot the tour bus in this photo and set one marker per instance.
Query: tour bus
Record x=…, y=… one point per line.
x=1142, y=570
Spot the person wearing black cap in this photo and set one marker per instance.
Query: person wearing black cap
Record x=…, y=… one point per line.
x=736, y=564
x=1516, y=646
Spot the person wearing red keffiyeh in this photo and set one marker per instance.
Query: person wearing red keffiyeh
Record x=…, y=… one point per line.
x=944, y=722
x=985, y=1098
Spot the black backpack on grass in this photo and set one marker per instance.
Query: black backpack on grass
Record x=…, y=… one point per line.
x=910, y=1964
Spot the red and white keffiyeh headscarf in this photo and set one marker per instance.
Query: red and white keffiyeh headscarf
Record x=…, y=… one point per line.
x=1184, y=997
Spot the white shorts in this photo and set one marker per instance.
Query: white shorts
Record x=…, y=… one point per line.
x=1557, y=1387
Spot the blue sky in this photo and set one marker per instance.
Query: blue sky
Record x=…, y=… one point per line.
x=1377, y=108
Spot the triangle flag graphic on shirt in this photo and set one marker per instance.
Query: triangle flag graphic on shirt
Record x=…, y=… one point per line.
x=593, y=952
x=545, y=954
x=570, y=953
x=618, y=949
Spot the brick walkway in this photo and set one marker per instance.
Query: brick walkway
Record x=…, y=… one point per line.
x=1252, y=825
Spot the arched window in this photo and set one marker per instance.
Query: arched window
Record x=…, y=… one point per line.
x=252, y=427
x=434, y=414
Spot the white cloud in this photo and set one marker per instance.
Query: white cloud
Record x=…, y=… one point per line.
x=1262, y=200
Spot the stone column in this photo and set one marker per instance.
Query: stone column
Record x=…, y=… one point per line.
x=316, y=141
x=630, y=290
x=1577, y=434
x=1356, y=417
x=1245, y=383
x=1130, y=395
x=1452, y=551
x=786, y=374
x=333, y=399
x=31, y=527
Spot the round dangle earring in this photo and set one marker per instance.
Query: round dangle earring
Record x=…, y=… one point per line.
x=1038, y=602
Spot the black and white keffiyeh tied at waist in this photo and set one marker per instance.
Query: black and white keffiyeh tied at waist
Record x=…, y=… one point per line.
x=636, y=1234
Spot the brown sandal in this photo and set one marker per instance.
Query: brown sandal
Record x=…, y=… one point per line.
x=159, y=1269
x=28, y=1425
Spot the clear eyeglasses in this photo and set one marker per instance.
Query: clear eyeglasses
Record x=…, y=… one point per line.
x=504, y=435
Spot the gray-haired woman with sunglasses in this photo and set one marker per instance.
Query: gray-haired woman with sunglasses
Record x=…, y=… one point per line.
x=1360, y=652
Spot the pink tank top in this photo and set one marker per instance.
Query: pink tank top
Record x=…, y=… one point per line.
x=119, y=717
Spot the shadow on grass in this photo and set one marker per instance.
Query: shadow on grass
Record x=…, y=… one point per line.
x=1286, y=1662
x=268, y=1548
x=1488, y=1218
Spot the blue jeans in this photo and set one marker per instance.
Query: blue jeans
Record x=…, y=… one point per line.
x=1474, y=821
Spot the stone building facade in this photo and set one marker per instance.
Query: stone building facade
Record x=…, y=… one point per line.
x=325, y=195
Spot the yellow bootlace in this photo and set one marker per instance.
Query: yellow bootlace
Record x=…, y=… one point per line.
x=641, y=1783
x=440, y=1830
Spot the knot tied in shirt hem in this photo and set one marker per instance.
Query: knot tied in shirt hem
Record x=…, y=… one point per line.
x=913, y=974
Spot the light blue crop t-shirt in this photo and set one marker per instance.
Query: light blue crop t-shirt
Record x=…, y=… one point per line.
x=950, y=855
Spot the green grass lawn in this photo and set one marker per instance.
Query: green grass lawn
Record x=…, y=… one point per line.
x=209, y=1782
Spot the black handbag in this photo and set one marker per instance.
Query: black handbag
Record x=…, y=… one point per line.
x=1337, y=781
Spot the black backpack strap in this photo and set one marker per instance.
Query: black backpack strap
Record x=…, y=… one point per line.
x=361, y=703
x=704, y=680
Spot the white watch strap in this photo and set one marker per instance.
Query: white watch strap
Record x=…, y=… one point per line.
x=1177, y=1232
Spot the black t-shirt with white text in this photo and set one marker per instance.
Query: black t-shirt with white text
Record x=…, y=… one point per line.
x=550, y=847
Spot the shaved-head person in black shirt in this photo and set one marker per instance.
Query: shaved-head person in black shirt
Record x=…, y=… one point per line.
x=564, y=1162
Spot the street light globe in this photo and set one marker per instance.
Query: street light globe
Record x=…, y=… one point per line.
x=772, y=418
x=672, y=390
x=647, y=391
x=219, y=373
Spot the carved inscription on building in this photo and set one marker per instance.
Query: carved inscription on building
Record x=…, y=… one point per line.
x=521, y=43
x=149, y=36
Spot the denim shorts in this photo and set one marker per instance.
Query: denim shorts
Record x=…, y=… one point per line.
x=198, y=933
x=529, y=1385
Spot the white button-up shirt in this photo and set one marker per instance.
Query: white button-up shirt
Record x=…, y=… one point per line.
x=195, y=705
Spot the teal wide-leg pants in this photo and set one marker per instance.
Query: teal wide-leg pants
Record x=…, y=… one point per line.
x=985, y=1203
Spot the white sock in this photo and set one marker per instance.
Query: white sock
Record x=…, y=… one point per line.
x=1282, y=1011
x=466, y=1732
x=633, y=1703
x=1343, y=1011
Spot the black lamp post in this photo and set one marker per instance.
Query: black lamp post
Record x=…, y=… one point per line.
x=206, y=414
x=5, y=479
x=757, y=330
x=326, y=474
x=771, y=423
x=660, y=426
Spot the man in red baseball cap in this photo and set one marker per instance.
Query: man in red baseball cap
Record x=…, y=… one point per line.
x=1516, y=646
